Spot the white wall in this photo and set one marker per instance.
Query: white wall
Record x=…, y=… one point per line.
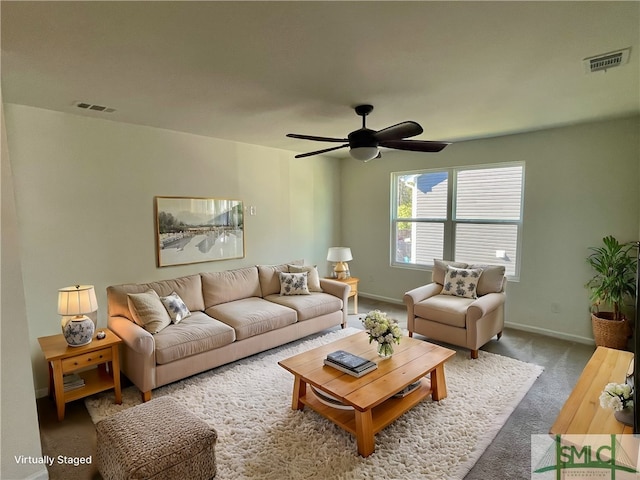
x=85, y=195
x=581, y=185
x=19, y=420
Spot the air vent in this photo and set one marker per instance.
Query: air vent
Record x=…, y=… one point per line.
x=606, y=60
x=95, y=108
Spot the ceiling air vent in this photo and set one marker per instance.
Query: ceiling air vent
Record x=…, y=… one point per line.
x=606, y=60
x=95, y=108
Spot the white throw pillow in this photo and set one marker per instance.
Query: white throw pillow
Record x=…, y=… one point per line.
x=148, y=311
x=176, y=308
x=293, y=283
x=461, y=282
x=313, y=277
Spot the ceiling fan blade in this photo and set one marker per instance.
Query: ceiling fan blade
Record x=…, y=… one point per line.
x=318, y=139
x=415, y=145
x=399, y=131
x=318, y=152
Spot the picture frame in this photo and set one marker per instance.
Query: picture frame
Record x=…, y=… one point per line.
x=198, y=229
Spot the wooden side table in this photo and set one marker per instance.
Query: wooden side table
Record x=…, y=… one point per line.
x=353, y=282
x=61, y=359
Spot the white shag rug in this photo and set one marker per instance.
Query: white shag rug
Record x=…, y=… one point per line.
x=261, y=437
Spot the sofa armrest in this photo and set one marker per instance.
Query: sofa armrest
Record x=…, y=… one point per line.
x=335, y=288
x=485, y=305
x=340, y=290
x=421, y=293
x=134, y=337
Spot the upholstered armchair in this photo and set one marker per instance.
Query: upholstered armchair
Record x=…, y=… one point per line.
x=464, y=305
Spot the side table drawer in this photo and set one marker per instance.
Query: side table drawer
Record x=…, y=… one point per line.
x=86, y=360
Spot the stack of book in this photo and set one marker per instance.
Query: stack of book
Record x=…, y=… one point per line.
x=72, y=381
x=349, y=363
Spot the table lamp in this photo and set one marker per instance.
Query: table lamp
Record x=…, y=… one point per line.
x=73, y=304
x=340, y=255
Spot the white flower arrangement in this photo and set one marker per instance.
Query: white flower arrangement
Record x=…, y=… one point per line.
x=382, y=329
x=617, y=396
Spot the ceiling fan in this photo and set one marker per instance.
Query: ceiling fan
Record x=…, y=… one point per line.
x=364, y=143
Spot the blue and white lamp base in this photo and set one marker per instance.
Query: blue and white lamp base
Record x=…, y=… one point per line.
x=78, y=331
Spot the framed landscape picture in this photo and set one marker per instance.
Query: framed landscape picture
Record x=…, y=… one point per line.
x=193, y=230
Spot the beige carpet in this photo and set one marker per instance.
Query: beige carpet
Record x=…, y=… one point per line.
x=260, y=437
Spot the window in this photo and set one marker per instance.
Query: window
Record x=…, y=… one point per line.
x=471, y=214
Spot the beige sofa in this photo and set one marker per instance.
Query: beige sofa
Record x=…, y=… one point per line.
x=233, y=314
x=449, y=313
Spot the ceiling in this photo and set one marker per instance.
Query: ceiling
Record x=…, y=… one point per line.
x=253, y=71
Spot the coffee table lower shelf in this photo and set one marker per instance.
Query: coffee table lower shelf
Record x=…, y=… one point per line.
x=364, y=425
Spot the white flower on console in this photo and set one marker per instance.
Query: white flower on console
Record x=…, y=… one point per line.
x=617, y=396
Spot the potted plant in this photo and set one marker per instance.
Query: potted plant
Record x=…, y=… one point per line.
x=613, y=282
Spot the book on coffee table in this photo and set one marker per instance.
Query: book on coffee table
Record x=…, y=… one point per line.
x=349, y=360
x=352, y=372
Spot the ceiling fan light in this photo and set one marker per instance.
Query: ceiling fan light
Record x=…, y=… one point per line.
x=364, y=154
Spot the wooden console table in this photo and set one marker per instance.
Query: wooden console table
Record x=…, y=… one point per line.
x=582, y=413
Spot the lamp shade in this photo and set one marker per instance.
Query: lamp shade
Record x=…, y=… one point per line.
x=364, y=153
x=77, y=300
x=339, y=254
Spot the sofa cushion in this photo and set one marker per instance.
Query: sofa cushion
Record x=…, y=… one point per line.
x=446, y=309
x=293, y=283
x=195, y=334
x=270, y=278
x=176, y=308
x=491, y=280
x=148, y=311
x=461, y=282
x=189, y=288
x=252, y=316
x=309, y=306
x=313, y=277
x=230, y=285
x=440, y=268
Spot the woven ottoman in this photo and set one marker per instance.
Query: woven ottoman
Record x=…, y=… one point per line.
x=157, y=440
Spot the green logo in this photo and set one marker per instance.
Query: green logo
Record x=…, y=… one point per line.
x=594, y=453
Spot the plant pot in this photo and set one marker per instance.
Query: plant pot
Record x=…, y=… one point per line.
x=608, y=332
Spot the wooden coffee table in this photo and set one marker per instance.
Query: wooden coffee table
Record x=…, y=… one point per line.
x=368, y=406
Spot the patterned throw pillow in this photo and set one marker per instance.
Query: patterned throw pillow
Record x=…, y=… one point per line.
x=293, y=283
x=178, y=311
x=461, y=282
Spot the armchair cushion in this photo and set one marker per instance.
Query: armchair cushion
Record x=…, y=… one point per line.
x=446, y=309
x=461, y=282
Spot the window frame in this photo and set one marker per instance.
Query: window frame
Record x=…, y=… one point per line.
x=450, y=222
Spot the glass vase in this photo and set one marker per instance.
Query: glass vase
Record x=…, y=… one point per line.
x=385, y=350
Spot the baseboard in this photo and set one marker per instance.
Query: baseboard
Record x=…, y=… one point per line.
x=42, y=392
x=380, y=298
x=550, y=333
